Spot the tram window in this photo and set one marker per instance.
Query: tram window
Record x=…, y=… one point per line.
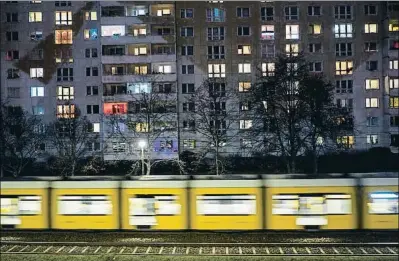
x=12, y=207
x=383, y=203
x=285, y=204
x=226, y=205
x=339, y=204
x=86, y=205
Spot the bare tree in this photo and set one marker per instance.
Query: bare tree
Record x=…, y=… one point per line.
x=150, y=121
x=22, y=138
x=72, y=139
x=213, y=108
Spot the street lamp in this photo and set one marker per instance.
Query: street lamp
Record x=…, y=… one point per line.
x=142, y=145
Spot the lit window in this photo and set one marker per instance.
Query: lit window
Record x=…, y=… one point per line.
x=315, y=29
x=267, y=32
x=140, y=87
x=140, y=31
x=245, y=124
x=346, y=141
x=393, y=83
x=96, y=127
x=244, y=68
x=140, y=69
x=215, y=15
x=91, y=34
x=244, y=49
x=394, y=102
x=164, y=12
x=190, y=144
x=66, y=111
x=394, y=64
x=292, y=32
x=35, y=17
x=38, y=110
x=141, y=127
x=217, y=70
x=36, y=72
x=65, y=93
x=343, y=31
x=140, y=50
x=292, y=49
x=36, y=36
x=370, y=28
x=36, y=91
x=268, y=69
x=91, y=16
x=244, y=86
x=165, y=69
x=393, y=26
x=63, y=37
x=372, y=139
x=372, y=84
x=113, y=30
x=343, y=67
x=63, y=18
x=136, y=10
x=372, y=103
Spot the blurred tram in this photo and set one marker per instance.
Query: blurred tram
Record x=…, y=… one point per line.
x=217, y=203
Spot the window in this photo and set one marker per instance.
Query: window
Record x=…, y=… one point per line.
x=215, y=15
x=244, y=68
x=111, y=30
x=394, y=140
x=371, y=65
x=266, y=13
x=346, y=141
x=113, y=50
x=314, y=10
x=12, y=36
x=393, y=83
x=36, y=91
x=343, y=67
x=343, y=30
x=12, y=17
x=63, y=36
x=141, y=69
x=244, y=86
x=372, y=139
x=394, y=121
x=393, y=26
x=189, y=144
x=63, y=3
x=66, y=111
x=91, y=16
x=187, y=88
x=343, y=12
x=91, y=53
x=370, y=28
x=164, y=88
x=316, y=67
x=164, y=31
x=215, y=33
x=393, y=44
x=36, y=72
x=187, y=32
x=244, y=49
x=63, y=18
x=267, y=32
x=187, y=50
x=292, y=32
x=372, y=121
x=292, y=49
x=291, y=12
x=268, y=50
x=372, y=84
x=91, y=90
x=92, y=109
x=217, y=70
x=91, y=71
x=93, y=146
x=370, y=10
x=12, y=73
x=90, y=34
x=115, y=108
x=63, y=55
x=268, y=69
x=36, y=54
x=187, y=13
x=13, y=92
x=164, y=12
x=217, y=89
x=245, y=106
x=189, y=125
x=245, y=124
x=372, y=103
x=188, y=106
x=118, y=147
x=370, y=47
x=243, y=12
x=65, y=93
x=314, y=48
x=187, y=69
x=343, y=49
x=38, y=110
x=216, y=52
x=64, y=74
x=35, y=17
x=165, y=69
x=345, y=103
x=243, y=31
x=394, y=64
x=394, y=102
x=344, y=86
x=139, y=50
x=315, y=29
x=12, y=55
x=36, y=36
x=218, y=107
x=135, y=10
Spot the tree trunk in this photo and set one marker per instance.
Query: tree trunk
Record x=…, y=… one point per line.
x=315, y=158
x=217, y=160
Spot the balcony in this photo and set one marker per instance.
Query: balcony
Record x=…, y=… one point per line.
x=123, y=59
x=138, y=78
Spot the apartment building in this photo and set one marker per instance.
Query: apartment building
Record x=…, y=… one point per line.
x=104, y=58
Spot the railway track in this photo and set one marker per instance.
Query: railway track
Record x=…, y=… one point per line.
x=204, y=249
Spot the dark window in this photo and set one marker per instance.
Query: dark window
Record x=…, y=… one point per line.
x=93, y=109
x=92, y=90
x=12, y=36
x=187, y=50
x=187, y=69
x=91, y=71
x=12, y=55
x=395, y=140
x=12, y=17
x=394, y=120
x=63, y=3
x=267, y=13
x=372, y=65
x=187, y=88
x=12, y=73
x=370, y=9
x=216, y=52
x=243, y=30
x=243, y=12
x=112, y=11
x=64, y=74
